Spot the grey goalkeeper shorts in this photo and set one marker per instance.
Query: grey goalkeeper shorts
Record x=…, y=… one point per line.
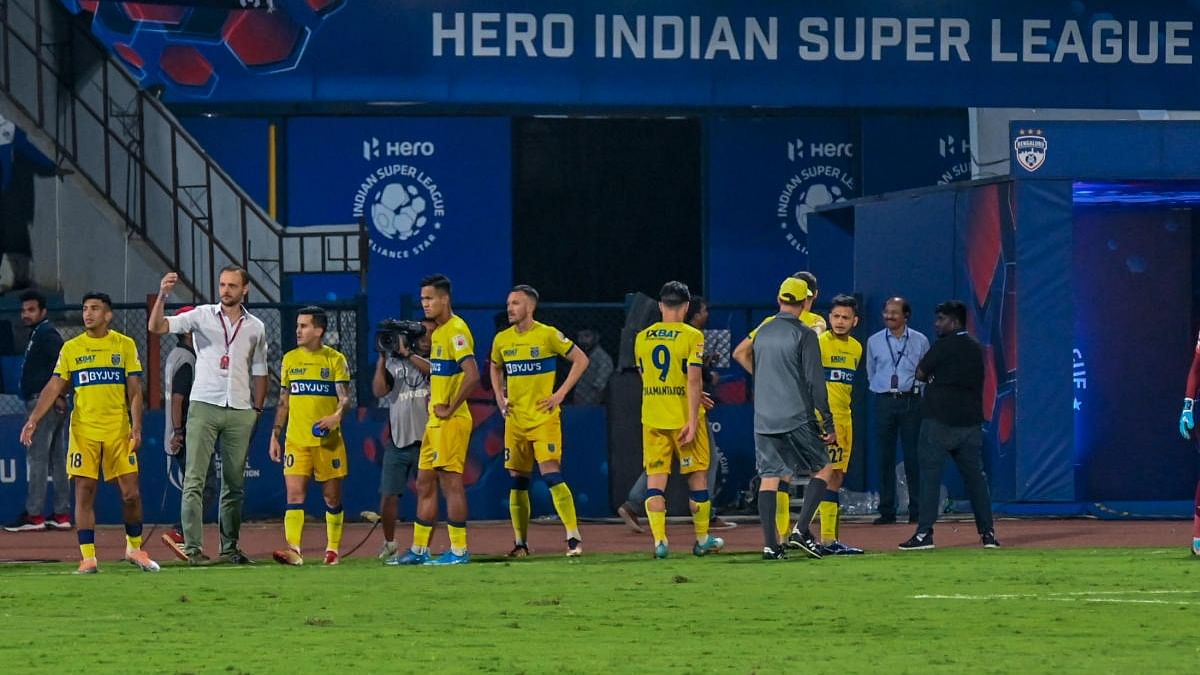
x=797, y=452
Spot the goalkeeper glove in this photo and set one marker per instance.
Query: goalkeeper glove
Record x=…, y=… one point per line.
x=1186, y=422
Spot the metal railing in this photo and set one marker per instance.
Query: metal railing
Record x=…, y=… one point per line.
x=346, y=333
x=130, y=149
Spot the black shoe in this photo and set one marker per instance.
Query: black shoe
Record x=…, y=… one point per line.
x=804, y=541
x=236, y=558
x=27, y=523
x=838, y=548
x=920, y=541
x=884, y=520
x=776, y=552
x=989, y=539
x=198, y=559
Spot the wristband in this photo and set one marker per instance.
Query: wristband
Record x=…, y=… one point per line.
x=1187, y=404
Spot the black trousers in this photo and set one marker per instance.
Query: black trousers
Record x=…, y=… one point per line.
x=898, y=417
x=965, y=446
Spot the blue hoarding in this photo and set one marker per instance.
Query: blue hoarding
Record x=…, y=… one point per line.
x=765, y=177
x=920, y=53
x=435, y=195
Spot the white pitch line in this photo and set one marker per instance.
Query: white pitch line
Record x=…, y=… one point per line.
x=1064, y=597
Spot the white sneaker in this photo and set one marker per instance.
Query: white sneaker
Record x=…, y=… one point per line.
x=387, y=550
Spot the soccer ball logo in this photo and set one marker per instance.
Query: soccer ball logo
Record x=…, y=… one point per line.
x=817, y=195
x=398, y=211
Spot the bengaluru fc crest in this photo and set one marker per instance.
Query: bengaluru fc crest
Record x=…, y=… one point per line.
x=1030, y=147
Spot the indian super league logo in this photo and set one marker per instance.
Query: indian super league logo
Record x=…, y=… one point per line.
x=404, y=209
x=1030, y=146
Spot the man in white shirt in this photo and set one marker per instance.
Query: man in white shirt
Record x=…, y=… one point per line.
x=226, y=398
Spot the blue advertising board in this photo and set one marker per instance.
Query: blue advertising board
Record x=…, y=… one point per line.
x=921, y=53
x=434, y=193
x=765, y=177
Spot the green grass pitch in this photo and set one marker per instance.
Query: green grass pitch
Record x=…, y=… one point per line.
x=952, y=611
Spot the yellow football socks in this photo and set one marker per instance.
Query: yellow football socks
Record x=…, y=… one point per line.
x=518, y=510
x=421, y=534
x=829, y=510
x=293, y=525
x=783, y=511
x=333, y=528
x=658, y=519
x=700, y=517
x=564, y=504
x=458, y=537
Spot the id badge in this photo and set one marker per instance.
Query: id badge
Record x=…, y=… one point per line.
x=225, y=364
x=895, y=378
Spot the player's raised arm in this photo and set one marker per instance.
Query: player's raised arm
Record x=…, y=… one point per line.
x=158, y=324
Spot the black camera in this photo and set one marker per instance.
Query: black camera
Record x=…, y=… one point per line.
x=392, y=334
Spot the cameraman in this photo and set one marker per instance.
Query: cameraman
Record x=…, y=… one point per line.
x=402, y=380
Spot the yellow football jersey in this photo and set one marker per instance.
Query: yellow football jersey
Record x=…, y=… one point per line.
x=97, y=369
x=452, y=343
x=813, y=321
x=530, y=360
x=311, y=380
x=841, y=359
x=664, y=353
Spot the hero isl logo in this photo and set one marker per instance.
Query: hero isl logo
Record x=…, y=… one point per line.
x=818, y=183
x=403, y=204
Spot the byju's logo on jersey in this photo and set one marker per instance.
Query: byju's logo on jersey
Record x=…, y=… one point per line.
x=817, y=184
x=404, y=207
x=1030, y=146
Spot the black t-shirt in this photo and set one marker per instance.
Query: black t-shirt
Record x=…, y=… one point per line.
x=181, y=383
x=953, y=368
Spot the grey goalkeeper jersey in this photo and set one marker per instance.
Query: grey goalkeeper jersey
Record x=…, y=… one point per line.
x=789, y=379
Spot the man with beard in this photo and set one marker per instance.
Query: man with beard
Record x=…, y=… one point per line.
x=226, y=399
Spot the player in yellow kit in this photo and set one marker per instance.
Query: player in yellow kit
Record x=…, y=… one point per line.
x=841, y=355
x=744, y=355
x=524, y=360
x=670, y=355
x=453, y=375
x=314, y=396
x=103, y=368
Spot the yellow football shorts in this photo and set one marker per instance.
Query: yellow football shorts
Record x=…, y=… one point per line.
x=659, y=447
x=323, y=462
x=444, y=445
x=839, y=455
x=524, y=447
x=86, y=456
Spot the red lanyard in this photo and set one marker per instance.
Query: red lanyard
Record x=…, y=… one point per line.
x=236, y=329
